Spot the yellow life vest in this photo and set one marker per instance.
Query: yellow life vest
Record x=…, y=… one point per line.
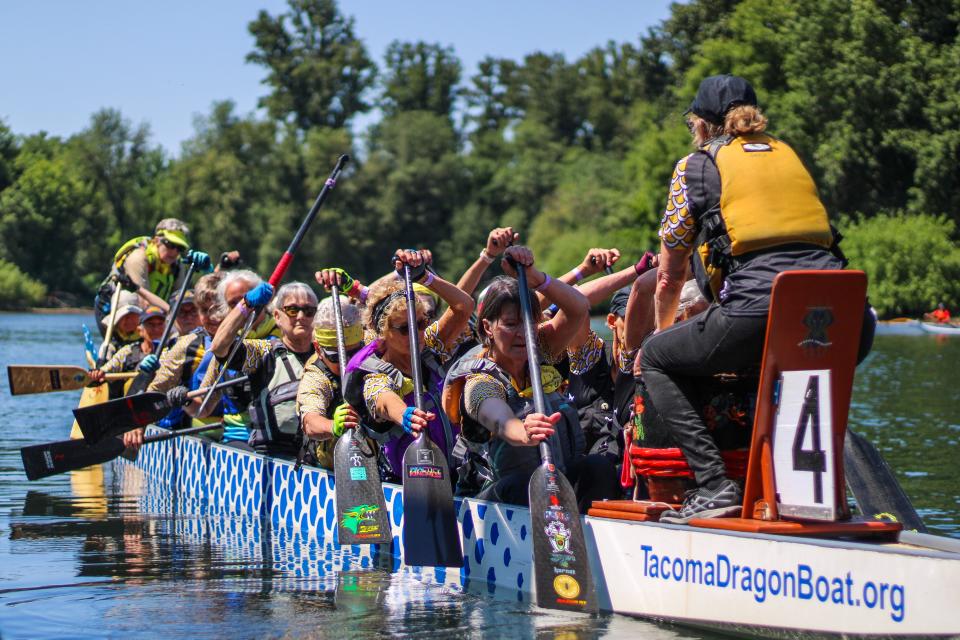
x=767, y=200
x=162, y=276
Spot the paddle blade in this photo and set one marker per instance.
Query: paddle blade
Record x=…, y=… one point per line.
x=118, y=416
x=361, y=509
x=430, y=534
x=25, y=378
x=873, y=484
x=42, y=460
x=561, y=569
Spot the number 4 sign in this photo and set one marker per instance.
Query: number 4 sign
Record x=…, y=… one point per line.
x=803, y=447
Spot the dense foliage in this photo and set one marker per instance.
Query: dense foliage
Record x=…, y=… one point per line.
x=574, y=153
x=17, y=290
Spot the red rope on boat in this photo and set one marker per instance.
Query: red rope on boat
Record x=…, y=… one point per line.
x=671, y=462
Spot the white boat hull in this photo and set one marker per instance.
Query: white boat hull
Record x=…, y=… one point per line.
x=753, y=583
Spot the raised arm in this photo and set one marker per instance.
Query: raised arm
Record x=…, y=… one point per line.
x=497, y=242
x=460, y=304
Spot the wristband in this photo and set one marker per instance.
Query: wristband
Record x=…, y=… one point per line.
x=364, y=291
x=546, y=283
x=427, y=279
x=577, y=274
x=486, y=257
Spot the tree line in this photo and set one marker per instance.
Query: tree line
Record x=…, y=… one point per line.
x=574, y=153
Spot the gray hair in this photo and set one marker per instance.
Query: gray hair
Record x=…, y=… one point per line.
x=244, y=275
x=292, y=289
x=172, y=224
x=325, y=318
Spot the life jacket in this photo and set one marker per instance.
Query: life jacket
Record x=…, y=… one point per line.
x=767, y=200
x=394, y=440
x=493, y=457
x=273, y=411
x=603, y=404
x=162, y=276
x=320, y=452
x=233, y=400
x=178, y=418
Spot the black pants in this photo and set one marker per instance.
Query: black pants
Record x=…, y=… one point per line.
x=674, y=360
x=593, y=477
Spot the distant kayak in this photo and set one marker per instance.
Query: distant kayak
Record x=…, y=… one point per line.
x=940, y=328
x=900, y=327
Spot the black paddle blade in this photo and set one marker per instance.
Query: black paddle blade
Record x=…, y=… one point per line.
x=42, y=460
x=361, y=509
x=561, y=569
x=430, y=534
x=873, y=484
x=118, y=416
x=140, y=383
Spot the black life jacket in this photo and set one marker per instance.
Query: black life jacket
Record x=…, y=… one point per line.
x=604, y=405
x=273, y=410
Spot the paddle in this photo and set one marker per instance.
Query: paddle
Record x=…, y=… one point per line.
x=112, y=418
x=144, y=378
x=114, y=301
x=282, y=265
x=430, y=534
x=42, y=460
x=361, y=508
x=873, y=484
x=561, y=570
x=45, y=378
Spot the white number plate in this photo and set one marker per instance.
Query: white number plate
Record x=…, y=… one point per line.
x=803, y=447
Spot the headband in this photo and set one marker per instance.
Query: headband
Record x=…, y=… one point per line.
x=381, y=307
x=328, y=337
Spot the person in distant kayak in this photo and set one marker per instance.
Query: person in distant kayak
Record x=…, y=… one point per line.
x=745, y=208
x=941, y=314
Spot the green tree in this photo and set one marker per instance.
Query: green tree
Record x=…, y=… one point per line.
x=419, y=77
x=318, y=69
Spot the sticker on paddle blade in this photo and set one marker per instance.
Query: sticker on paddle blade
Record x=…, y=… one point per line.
x=425, y=471
x=361, y=521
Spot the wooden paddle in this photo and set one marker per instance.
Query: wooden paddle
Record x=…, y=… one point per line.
x=430, y=534
x=361, y=508
x=43, y=460
x=873, y=484
x=561, y=569
x=114, y=301
x=112, y=418
x=282, y=266
x=45, y=378
x=144, y=378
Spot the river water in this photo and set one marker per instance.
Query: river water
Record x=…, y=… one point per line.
x=80, y=559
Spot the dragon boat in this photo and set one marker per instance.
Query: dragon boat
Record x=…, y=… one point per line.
x=795, y=564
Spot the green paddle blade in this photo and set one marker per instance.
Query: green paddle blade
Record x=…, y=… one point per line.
x=42, y=460
x=361, y=509
x=112, y=418
x=430, y=534
x=561, y=569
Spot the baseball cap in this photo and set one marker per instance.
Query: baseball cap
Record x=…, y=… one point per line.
x=718, y=94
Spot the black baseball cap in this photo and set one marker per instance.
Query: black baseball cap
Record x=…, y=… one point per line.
x=718, y=94
x=618, y=304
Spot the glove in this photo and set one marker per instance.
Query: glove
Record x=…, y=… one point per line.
x=177, y=397
x=260, y=295
x=407, y=423
x=644, y=264
x=127, y=283
x=346, y=282
x=416, y=273
x=200, y=261
x=339, y=414
x=150, y=364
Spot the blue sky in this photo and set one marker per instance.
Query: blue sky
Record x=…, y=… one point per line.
x=165, y=62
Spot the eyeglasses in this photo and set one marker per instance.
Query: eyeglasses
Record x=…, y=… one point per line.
x=292, y=311
x=422, y=325
x=170, y=245
x=333, y=355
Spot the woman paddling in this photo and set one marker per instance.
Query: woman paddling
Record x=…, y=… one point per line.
x=488, y=391
x=378, y=381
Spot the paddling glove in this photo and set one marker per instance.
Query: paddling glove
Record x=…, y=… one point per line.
x=339, y=414
x=200, y=260
x=416, y=273
x=346, y=282
x=177, y=397
x=260, y=295
x=644, y=264
x=407, y=423
x=150, y=364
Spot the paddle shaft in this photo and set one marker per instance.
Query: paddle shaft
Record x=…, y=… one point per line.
x=146, y=377
x=284, y=263
x=413, y=333
x=530, y=337
x=114, y=300
x=182, y=432
x=341, y=347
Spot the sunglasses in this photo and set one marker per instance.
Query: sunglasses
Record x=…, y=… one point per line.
x=334, y=356
x=292, y=311
x=170, y=245
x=405, y=329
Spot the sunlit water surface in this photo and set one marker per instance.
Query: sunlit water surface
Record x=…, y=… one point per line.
x=79, y=557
